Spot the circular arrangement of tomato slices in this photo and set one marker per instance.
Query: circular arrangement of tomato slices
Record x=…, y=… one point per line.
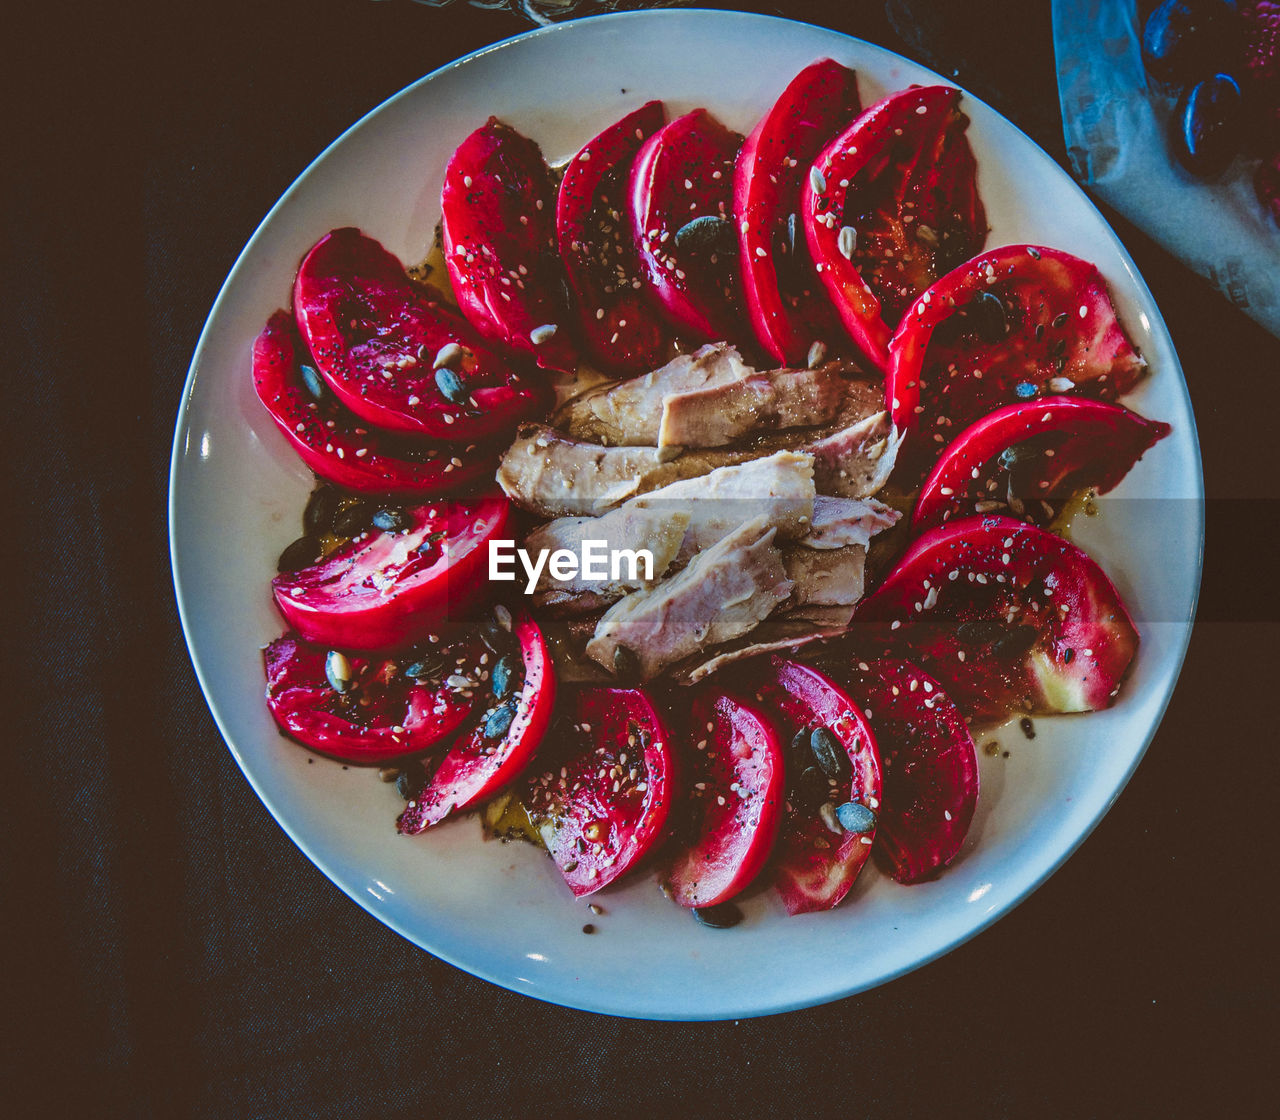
x=829, y=230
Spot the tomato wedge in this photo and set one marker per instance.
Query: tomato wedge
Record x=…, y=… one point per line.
x=729, y=819
x=387, y=708
x=377, y=339
x=890, y=205
x=681, y=198
x=1005, y=616
x=498, y=226
x=602, y=802
x=622, y=332
x=383, y=588
x=930, y=767
x=1016, y=323
x=333, y=442
x=834, y=762
x=501, y=745
x=1032, y=457
x=785, y=300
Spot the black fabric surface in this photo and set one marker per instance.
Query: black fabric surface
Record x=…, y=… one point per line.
x=171, y=953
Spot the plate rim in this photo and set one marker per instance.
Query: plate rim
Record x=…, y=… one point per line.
x=588, y=999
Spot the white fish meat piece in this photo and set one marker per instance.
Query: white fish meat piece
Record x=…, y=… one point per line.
x=629, y=413
x=841, y=522
x=726, y=591
x=629, y=527
x=768, y=401
x=855, y=462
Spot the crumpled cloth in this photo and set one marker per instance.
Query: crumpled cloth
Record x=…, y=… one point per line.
x=1116, y=128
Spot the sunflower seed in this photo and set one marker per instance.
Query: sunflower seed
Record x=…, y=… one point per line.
x=337, y=671
x=848, y=241
x=542, y=334
x=817, y=180
x=448, y=356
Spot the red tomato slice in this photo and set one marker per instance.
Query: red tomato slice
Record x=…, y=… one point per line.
x=785, y=300
x=902, y=179
x=734, y=802
x=683, y=172
x=1015, y=323
x=499, y=747
x=333, y=442
x=1032, y=457
x=817, y=860
x=623, y=333
x=377, y=337
x=1006, y=616
x=498, y=223
x=930, y=767
x=381, y=713
x=602, y=803
x=386, y=586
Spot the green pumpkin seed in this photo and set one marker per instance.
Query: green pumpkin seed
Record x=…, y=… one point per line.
x=989, y=318
x=1016, y=642
x=706, y=234
x=504, y=677
x=352, y=521
x=428, y=544
x=980, y=631
x=407, y=785
x=313, y=383
x=322, y=508
x=451, y=386
x=303, y=551
x=855, y=817
x=724, y=916
x=499, y=721
x=831, y=755
x=391, y=520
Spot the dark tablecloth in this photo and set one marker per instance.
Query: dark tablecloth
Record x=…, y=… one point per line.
x=171, y=953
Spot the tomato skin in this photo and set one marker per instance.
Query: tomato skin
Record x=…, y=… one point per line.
x=498, y=217
x=375, y=337
x=346, y=453
x=740, y=765
x=1043, y=291
x=965, y=638
x=813, y=869
x=930, y=767
x=478, y=766
x=699, y=290
x=595, y=240
x=1079, y=443
x=903, y=164
x=788, y=315
x=339, y=602
x=594, y=833
x=400, y=718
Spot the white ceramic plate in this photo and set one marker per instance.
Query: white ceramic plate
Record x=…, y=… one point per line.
x=501, y=911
